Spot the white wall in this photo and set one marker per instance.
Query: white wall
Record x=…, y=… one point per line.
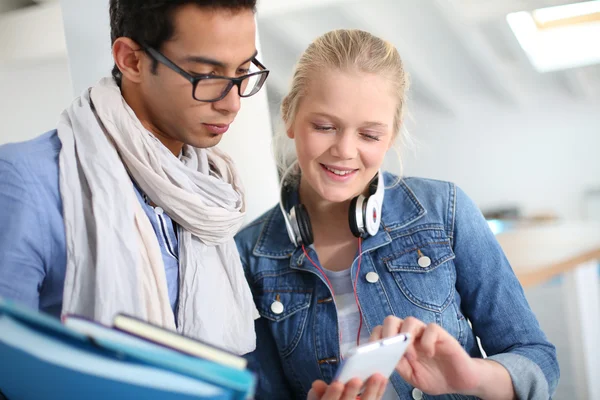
x=35, y=85
x=248, y=142
x=541, y=159
x=32, y=33
x=32, y=96
x=87, y=33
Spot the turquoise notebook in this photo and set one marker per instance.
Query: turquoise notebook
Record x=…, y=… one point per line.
x=41, y=358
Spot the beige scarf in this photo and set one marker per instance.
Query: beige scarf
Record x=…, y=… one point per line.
x=114, y=262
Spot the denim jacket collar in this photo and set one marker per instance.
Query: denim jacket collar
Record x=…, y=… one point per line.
x=400, y=209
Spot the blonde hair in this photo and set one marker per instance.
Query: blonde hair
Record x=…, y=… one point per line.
x=344, y=50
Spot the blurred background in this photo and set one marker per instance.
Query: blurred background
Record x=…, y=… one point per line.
x=505, y=101
x=482, y=113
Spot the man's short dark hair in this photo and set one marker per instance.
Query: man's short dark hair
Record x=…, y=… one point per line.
x=151, y=21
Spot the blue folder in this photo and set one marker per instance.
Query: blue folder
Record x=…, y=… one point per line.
x=42, y=359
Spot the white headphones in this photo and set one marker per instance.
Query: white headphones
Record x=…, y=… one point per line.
x=364, y=215
x=365, y=212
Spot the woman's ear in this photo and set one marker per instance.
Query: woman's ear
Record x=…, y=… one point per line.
x=127, y=56
x=290, y=133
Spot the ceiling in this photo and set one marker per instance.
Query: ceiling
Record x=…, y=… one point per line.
x=12, y=5
x=460, y=53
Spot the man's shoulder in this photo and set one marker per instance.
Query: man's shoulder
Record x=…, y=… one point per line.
x=40, y=151
x=33, y=164
x=32, y=238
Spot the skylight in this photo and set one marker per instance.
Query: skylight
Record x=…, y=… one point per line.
x=561, y=37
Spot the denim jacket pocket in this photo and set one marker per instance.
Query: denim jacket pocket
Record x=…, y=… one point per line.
x=287, y=311
x=425, y=273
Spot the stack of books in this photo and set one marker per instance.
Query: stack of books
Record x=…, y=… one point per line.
x=42, y=358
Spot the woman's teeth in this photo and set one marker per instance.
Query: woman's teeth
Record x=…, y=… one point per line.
x=337, y=171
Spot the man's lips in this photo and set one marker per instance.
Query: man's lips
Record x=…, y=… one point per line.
x=217, y=129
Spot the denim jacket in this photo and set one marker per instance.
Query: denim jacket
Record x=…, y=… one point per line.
x=468, y=283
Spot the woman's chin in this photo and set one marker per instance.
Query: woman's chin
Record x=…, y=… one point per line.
x=337, y=196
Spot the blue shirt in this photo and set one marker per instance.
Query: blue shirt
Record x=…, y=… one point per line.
x=33, y=253
x=467, y=278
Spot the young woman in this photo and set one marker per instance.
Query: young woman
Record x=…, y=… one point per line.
x=353, y=254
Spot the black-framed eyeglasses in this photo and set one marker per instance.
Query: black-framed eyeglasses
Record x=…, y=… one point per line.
x=211, y=88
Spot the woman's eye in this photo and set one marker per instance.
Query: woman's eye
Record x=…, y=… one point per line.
x=323, y=127
x=243, y=71
x=369, y=136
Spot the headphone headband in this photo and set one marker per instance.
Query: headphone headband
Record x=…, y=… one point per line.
x=292, y=233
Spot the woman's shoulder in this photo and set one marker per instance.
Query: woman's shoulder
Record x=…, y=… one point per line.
x=422, y=201
x=248, y=237
x=425, y=186
x=441, y=202
x=253, y=227
x=426, y=192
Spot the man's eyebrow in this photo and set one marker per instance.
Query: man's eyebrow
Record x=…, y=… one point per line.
x=204, y=60
x=216, y=63
x=251, y=58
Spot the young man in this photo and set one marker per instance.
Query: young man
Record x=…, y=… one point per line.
x=126, y=207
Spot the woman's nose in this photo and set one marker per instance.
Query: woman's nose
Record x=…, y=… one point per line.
x=344, y=146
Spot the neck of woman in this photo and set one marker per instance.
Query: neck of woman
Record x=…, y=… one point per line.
x=334, y=243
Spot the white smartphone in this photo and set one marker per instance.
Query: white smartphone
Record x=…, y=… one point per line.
x=371, y=358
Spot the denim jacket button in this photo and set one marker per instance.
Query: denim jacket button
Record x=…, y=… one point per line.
x=372, y=277
x=417, y=394
x=277, y=307
x=424, y=262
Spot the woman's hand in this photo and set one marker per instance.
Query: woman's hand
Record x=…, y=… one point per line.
x=434, y=362
x=374, y=389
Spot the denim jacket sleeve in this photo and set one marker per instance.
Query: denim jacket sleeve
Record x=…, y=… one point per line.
x=23, y=247
x=264, y=361
x=495, y=303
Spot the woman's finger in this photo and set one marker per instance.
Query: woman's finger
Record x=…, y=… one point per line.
x=391, y=326
x=317, y=391
x=352, y=389
x=335, y=391
x=414, y=327
x=382, y=388
x=376, y=333
x=373, y=387
x=404, y=369
x=430, y=337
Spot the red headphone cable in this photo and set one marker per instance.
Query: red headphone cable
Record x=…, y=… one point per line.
x=354, y=286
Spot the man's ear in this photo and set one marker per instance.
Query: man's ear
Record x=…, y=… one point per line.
x=128, y=56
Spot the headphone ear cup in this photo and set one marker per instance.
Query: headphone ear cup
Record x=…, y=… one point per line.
x=304, y=226
x=372, y=216
x=352, y=218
